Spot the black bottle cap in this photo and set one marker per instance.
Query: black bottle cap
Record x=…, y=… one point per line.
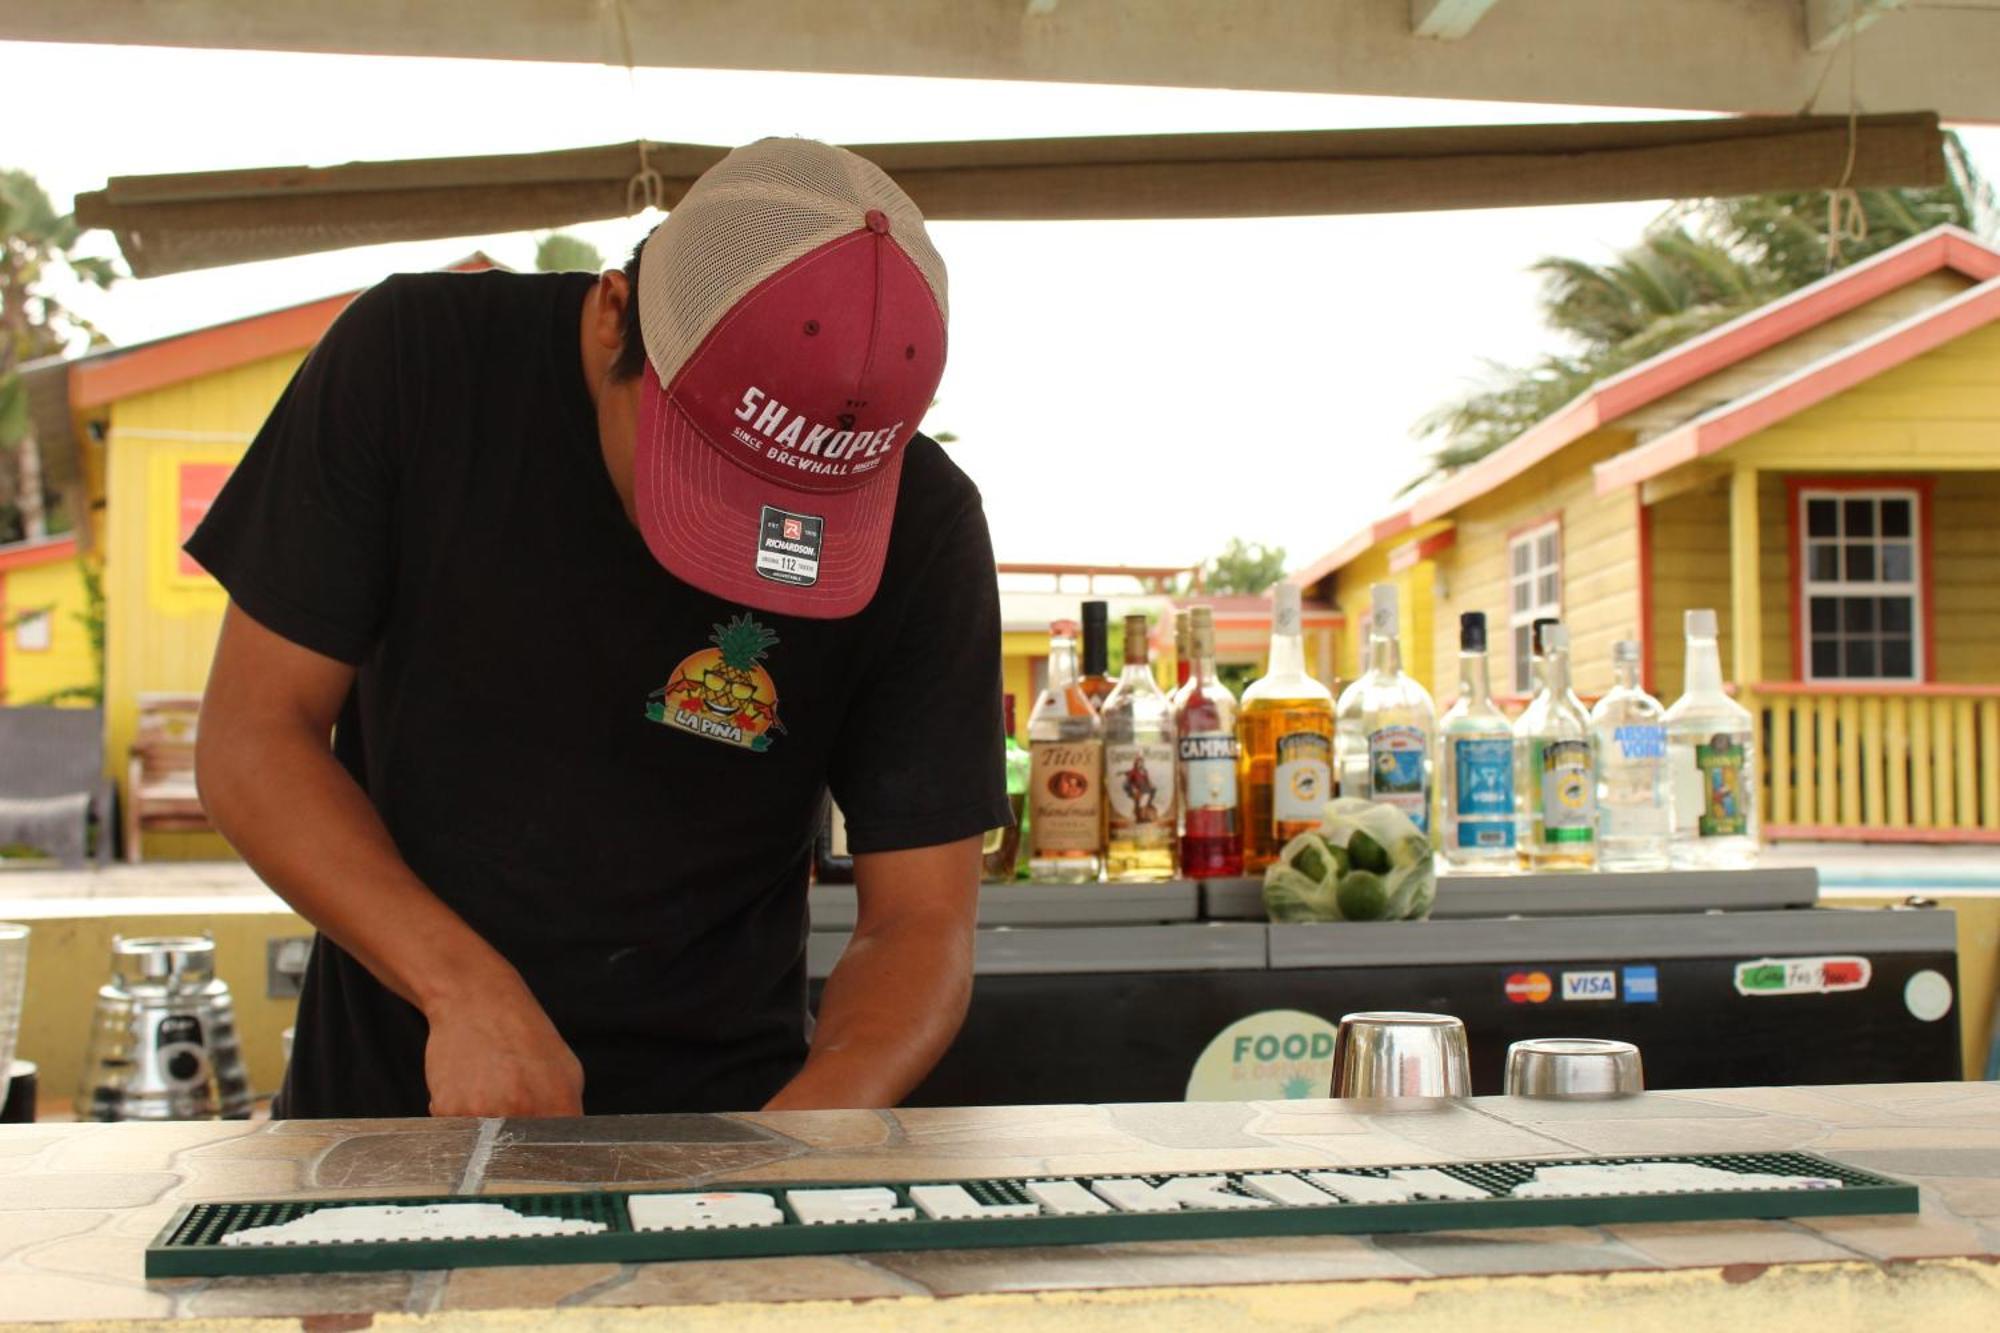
x=1472, y=632
x=1096, y=638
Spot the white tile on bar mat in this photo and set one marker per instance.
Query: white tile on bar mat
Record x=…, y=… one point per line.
x=1575, y=1182
x=400, y=1222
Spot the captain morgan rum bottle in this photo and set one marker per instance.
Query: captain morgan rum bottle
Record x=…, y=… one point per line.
x=1205, y=731
x=1284, y=734
x=1140, y=791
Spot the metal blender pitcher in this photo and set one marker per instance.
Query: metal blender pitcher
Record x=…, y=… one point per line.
x=163, y=1041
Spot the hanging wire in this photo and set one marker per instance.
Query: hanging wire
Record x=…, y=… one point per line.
x=647, y=189
x=1846, y=220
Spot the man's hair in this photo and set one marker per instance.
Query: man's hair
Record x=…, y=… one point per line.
x=631, y=360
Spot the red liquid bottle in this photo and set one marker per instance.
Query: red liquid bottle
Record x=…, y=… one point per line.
x=1205, y=722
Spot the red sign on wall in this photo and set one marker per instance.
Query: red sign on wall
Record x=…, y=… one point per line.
x=199, y=484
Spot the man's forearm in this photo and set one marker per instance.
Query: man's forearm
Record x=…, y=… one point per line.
x=891, y=1007
x=296, y=816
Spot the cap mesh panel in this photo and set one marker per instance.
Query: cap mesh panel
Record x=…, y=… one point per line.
x=751, y=214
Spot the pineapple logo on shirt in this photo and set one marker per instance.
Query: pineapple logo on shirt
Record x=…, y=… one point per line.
x=723, y=693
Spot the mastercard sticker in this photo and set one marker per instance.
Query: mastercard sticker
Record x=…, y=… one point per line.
x=1529, y=987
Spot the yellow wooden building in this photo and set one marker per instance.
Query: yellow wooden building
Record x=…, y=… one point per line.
x=1825, y=473
x=45, y=652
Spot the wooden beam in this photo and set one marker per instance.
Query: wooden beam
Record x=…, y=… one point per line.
x=1829, y=22
x=1680, y=481
x=1446, y=20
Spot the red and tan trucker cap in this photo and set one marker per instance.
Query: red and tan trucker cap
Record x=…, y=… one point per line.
x=794, y=317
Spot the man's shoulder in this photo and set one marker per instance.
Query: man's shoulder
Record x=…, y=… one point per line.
x=448, y=290
x=933, y=485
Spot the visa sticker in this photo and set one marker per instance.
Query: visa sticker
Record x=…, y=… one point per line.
x=1803, y=976
x=1642, y=984
x=1599, y=985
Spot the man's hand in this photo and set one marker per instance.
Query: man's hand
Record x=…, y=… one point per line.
x=497, y=1054
x=899, y=992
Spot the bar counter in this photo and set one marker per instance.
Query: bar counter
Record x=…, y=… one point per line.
x=78, y=1204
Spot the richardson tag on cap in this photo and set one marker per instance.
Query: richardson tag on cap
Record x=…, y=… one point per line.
x=788, y=547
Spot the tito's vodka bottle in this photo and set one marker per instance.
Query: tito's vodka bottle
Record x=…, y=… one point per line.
x=1390, y=759
x=1066, y=772
x=1139, y=783
x=1556, y=770
x=1631, y=770
x=1712, y=755
x=1476, y=764
x=1205, y=723
x=1285, y=733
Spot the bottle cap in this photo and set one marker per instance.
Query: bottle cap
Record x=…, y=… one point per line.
x=1095, y=614
x=1062, y=629
x=1625, y=650
x=1135, y=639
x=1555, y=637
x=1538, y=643
x=1285, y=608
x=1472, y=632
x=1701, y=624
x=1382, y=609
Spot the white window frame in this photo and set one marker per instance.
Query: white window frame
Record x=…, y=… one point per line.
x=1912, y=587
x=1543, y=544
x=35, y=630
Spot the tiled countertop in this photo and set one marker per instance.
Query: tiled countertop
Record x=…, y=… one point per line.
x=78, y=1203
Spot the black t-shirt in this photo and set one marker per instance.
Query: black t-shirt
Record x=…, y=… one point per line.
x=429, y=502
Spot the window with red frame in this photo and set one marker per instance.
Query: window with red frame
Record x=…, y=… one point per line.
x=1861, y=584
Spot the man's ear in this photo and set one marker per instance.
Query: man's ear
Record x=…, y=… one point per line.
x=607, y=323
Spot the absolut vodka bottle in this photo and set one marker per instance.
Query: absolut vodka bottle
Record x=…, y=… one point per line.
x=1475, y=768
x=1632, y=793
x=1712, y=755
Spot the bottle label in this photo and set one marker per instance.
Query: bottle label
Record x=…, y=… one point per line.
x=1208, y=783
x=1067, y=793
x=1396, y=772
x=1302, y=782
x=1569, y=798
x=1725, y=797
x=1483, y=779
x=1139, y=791
x=1637, y=742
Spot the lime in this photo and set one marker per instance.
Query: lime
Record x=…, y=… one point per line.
x=1363, y=896
x=1367, y=854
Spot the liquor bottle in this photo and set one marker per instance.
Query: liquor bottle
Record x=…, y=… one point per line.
x=1066, y=772
x=1632, y=790
x=999, y=857
x=1096, y=682
x=1139, y=782
x=1555, y=770
x=1712, y=756
x=1205, y=731
x=1475, y=769
x=832, y=863
x=1183, y=650
x=1396, y=719
x=1284, y=734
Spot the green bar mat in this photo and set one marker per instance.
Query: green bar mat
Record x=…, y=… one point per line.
x=1271, y=1201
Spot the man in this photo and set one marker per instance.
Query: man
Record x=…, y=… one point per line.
x=598, y=586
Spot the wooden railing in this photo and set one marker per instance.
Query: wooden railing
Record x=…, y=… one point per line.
x=1909, y=763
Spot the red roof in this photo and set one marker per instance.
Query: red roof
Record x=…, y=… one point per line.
x=1678, y=367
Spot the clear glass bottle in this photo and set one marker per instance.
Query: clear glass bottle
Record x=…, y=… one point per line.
x=1475, y=767
x=1140, y=791
x=1390, y=758
x=1096, y=679
x=1284, y=733
x=1555, y=770
x=1066, y=772
x=1000, y=857
x=1205, y=725
x=1350, y=731
x=1632, y=792
x=1712, y=756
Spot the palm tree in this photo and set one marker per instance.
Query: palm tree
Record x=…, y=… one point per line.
x=1702, y=263
x=33, y=324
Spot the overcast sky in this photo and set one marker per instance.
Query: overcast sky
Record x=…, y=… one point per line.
x=1125, y=392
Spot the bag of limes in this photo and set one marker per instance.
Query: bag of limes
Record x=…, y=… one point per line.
x=1366, y=862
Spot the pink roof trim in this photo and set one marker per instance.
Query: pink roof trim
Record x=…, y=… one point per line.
x=1678, y=367
x=1804, y=388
